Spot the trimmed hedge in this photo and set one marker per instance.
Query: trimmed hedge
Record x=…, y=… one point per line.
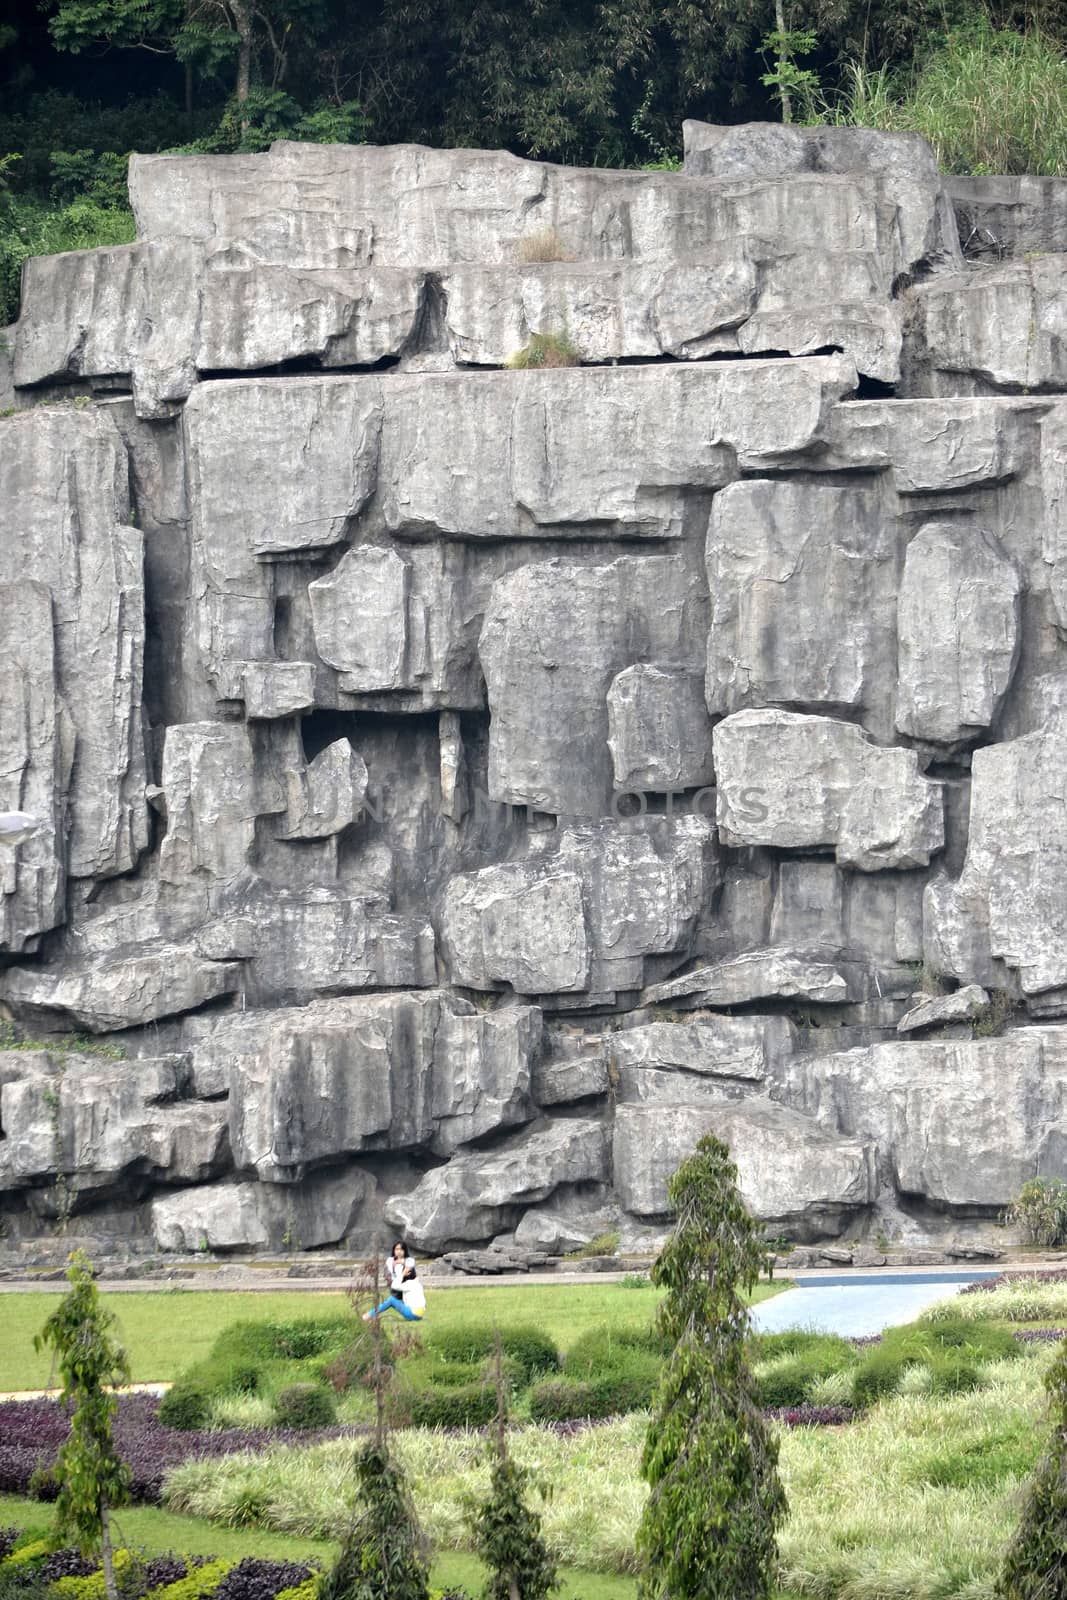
x=305, y=1405
x=469, y=1407
x=532, y=1349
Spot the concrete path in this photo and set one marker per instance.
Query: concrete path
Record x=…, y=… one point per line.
x=859, y=1304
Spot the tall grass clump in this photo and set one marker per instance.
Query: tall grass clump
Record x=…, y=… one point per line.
x=1036, y=1564
x=988, y=100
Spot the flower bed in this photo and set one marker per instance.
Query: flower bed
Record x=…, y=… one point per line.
x=32, y=1431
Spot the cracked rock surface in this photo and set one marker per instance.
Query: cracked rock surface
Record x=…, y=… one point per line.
x=459, y=785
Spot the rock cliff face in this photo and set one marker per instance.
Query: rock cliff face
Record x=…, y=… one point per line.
x=461, y=786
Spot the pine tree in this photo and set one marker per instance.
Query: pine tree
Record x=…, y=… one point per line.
x=1035, y=1567
x=507, y=1531
x=708, y=1532
x=92, y=1478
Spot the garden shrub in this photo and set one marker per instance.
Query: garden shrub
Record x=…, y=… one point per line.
x=382, y=1555
x=92, y=1587
x=186, y=1406
x=561, y=1400
x=283, y=1341
x=791, y=1379
x=602, y=1346
x=305, y=1405
x=529, y=1346
x=1040, y=1210
x=953, y=1373
x=469, y=1407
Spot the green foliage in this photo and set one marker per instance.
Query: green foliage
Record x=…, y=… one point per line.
x=988, y=99
x=1040, y=1210
x=790, y=1380
x=794, y=85
x=269, y=113
x=715, y=1499
x=305, y=1405
x=381, y=1557
x=508, y=1538
x=472, y=1343
x=91, y=1475
x=186, y=1406
x=952, y=1349
x=28, y=228
x=1035, y=1567
x=561, y=1400
x=288, y=1341
x=545, y=350
x=196, y=1585
x=470, y=1406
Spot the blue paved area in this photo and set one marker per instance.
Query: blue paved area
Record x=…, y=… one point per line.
x=856, y=1306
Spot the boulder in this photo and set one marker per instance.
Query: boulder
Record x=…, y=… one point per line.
x=774, y=974
x=793, y=1173
x=587, y=916
x=480, y=1193
x=377, y=1072
x=243, y=1216
x=935, y=1011
x=958, y=632
x=802, y=782
x=960, y=1124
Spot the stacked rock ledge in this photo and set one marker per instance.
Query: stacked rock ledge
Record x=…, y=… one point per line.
x=460, y=787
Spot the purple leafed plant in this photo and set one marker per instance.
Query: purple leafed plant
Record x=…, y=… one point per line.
x=32, y=1431
x=812, y=1416
x=1038, y=1275
x=253, y=1579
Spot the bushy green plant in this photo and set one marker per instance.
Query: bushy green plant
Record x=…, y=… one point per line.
x=791, y=1379
x=545, y=350
x=561, y=1400
x=305, y=1405
x=715, y=1499
x=28, y=227
x=1035, y=1567
x=471, y=1406
x=1040, y=1210
x=285, y=1341
x=354, y=1362
x=987, y=99
x=603, y=1346
x=529, y=1346
x=186, y=1406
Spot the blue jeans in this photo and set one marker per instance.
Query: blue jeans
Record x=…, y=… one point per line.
x=392, y=1303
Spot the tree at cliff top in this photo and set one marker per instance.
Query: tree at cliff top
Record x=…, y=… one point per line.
x=1036, y=1563
x=261, y=51
x=91, y=1477
x=715, y=1501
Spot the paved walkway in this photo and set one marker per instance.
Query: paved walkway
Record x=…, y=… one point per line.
x=859, y=1304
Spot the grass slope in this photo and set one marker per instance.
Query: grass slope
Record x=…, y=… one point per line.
x=166, y=1330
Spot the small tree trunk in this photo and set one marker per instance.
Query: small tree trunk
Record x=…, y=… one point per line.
x=786, y=98
x=242, y=19
x=110, y=1588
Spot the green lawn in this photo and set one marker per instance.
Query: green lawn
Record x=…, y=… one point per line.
x=166, y=1330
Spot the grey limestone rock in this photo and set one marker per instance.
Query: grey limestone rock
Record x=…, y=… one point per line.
x=958, y=632
x=65, y=516
x=229, y=1216
x=961, y=1123
x=1007, y=903
x=791, y=1171
x=1002, y=216
x=479, y=1193
x=92, y=1123
x=376, y=1072
x=347, y=671
x=586, y=916
x=934, y=1011
x=803, y=782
